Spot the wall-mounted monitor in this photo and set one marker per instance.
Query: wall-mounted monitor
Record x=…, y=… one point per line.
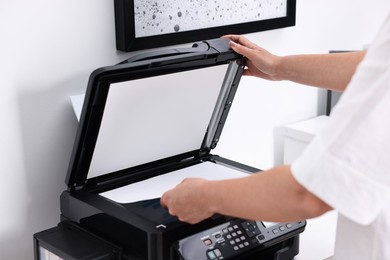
x=144, y=24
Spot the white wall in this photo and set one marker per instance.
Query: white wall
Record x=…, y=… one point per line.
x=259, y=106
x=47, y=51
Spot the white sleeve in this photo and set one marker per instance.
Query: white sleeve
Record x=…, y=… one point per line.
x=339, y=184
x=348, y=164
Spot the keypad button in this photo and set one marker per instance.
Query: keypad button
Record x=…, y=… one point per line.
x=251, y=228
x=230, y=229
x=242, y=238
x=234, y=234
x=237, y=240
x=239, y=232
x=289, y=225
x=241, y=245
x=275, y=231
x=246, y=243
x=228, y=236
x=217, y=252
x=235, y=227
x=232, y=242
x=211, y=255
x=282, y=228
x=261, y=237
x=207, y=242
x=235, y=248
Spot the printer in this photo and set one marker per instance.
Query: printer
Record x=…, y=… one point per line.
x=145, y=125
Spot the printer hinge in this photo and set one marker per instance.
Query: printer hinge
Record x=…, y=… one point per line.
x=204, y=152
x=77, y=186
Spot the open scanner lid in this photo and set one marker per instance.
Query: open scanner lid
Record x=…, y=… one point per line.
x=153, y=108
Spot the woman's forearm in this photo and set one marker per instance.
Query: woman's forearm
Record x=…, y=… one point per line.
x=273, y=195
x=331, y=71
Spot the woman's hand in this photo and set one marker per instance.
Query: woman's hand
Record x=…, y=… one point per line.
x=260, y=63
x=187, y=201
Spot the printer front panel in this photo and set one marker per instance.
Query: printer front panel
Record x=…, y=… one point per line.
x=236, y=239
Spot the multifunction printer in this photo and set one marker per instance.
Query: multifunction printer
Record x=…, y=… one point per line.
x=145, y=125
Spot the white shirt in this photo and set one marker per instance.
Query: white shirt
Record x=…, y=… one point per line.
x=348, y=164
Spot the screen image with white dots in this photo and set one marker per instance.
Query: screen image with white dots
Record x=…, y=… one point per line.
x=145, y=24
x=152, y=17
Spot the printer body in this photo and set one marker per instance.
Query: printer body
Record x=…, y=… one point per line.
x=146, y=124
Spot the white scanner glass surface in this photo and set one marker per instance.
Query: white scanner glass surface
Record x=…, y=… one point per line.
x=154, y=118
x=154, y=187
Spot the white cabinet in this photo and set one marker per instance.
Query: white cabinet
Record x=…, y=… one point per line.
x=317, y=241
x=297, y=136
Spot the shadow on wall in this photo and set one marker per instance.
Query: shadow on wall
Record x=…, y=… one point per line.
x=48, y=128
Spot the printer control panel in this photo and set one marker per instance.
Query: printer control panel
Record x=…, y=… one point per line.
x=235, y=238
